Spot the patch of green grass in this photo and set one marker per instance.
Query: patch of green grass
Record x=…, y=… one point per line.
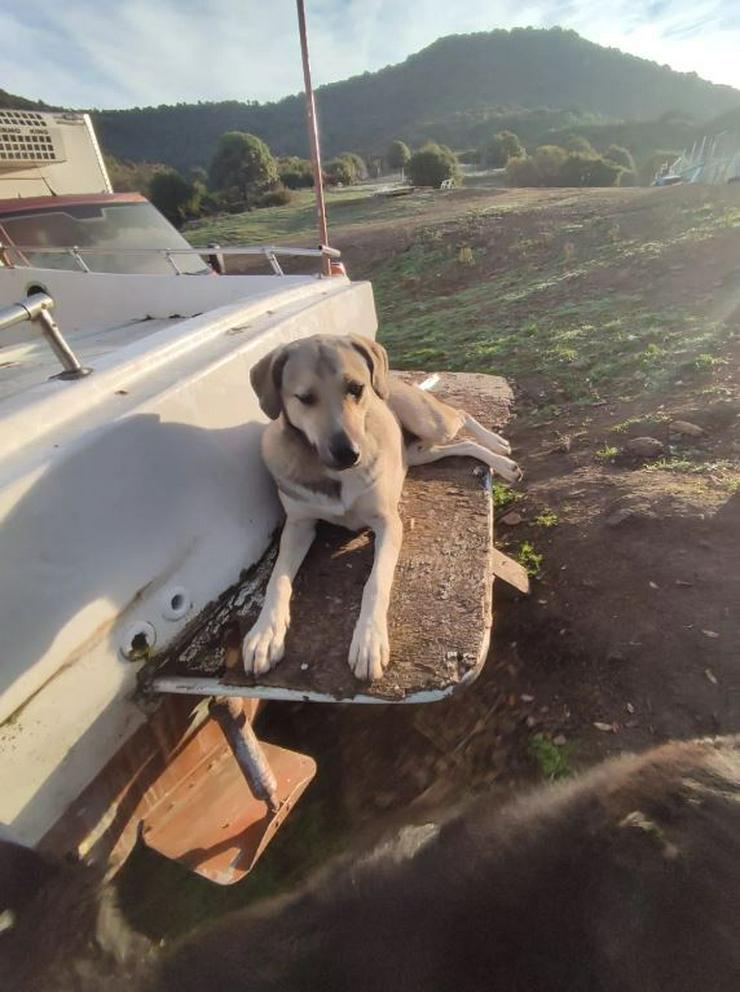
x=530, y=559
x=503, y=495
x=297, y=219
x=551, y=759
x=624, y=425
x=716, y=391
x=607, y=453
x=705, y=361
x=721, y=472
x=691, y=466
x=548, y=518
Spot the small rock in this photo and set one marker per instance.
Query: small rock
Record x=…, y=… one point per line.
x=686, y=428
x=710, y=633
x=683, y=583
x=304, y=666
x=645, y=447
x=527, y=698
x=605, y=728
x=653, y=585
x=619, y=517
x=630, y=708
x=532, y=721
x=512, y=519
x=559, y=740
x=711, y=677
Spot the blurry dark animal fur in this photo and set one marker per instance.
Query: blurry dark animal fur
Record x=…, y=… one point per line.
x=62, y=930
x=625, y=879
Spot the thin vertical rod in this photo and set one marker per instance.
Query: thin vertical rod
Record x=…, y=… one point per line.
x=313, y=137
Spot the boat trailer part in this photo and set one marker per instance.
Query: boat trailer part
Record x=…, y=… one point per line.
x=228, y=712
x=37, y=308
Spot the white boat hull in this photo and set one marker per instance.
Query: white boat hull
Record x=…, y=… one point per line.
x=128, y=501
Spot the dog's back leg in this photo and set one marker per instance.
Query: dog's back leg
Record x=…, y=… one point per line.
x=419, y=453
x=435, y=422
x=489, y=439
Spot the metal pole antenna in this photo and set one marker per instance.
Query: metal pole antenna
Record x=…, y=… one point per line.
x=313, y=137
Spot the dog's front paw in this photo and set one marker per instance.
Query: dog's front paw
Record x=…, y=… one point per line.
x=369, y=651
x=264, y=645
x=506, y=468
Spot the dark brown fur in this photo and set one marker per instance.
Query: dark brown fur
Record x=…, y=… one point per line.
x=625, y=880
x=64, y=932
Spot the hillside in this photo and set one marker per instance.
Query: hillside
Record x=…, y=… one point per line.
x=458, y=86
x=20, y=102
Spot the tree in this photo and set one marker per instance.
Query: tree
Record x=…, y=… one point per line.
x=521, y=171
x=358, y=164
x=243, y=164
x=548, y=162
x=295, y=173
x=174, y=197
x=588, y=170
x=398, y=155
x=497, y=151
x=578, y=144
x=340, y=172
x=553, y=166
x=432, y=164
x=622, y=156
x=627, y=177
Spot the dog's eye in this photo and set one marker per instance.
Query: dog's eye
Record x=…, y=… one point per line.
x=355, y=389
x=307, y=399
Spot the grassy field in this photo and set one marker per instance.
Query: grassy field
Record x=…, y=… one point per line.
x=297, y=220
x=614, y=314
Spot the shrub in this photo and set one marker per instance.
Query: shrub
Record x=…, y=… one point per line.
x=276, y=197
x=398, y=155
x=432, y=164
x=549, y=161
x=622, y=156
x=469, y=156
x=340, y=171
x=627, y=177
x=294, y=172
x=551, y=165
x=174, y=197
x=357, y=162
x=578, y=144
x=521, y=171
x=497, y=151
x=588, y=170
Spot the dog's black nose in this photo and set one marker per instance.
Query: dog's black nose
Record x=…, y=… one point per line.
x=343, y=451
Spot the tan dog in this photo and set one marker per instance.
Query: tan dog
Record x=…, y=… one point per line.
x=343, y=434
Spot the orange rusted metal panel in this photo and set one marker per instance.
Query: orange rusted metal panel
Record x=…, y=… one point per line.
x=213, y=825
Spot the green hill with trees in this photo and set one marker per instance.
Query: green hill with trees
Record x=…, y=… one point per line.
x=458, y=91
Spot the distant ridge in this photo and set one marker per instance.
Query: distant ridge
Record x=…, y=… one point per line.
x=550, y=79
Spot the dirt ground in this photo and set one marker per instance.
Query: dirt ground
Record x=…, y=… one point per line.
x=614, y=313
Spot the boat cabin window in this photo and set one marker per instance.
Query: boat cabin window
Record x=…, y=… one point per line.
x=109, y=227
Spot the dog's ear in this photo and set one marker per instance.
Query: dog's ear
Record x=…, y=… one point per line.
x=377, y=361
x=267, y=380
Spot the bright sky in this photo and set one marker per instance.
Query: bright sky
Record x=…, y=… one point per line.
x=101, y=53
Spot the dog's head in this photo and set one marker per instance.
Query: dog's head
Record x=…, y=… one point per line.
x=324, y=387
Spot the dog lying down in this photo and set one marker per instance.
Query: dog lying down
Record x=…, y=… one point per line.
x=343, y=433
x=625, y=880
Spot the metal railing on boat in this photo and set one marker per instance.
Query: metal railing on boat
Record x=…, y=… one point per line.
x=270, y=252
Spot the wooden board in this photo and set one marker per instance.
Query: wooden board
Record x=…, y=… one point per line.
x=440, y=614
